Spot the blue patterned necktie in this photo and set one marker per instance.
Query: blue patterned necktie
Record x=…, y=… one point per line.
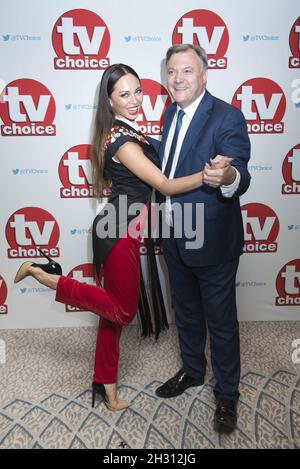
x=174, y=143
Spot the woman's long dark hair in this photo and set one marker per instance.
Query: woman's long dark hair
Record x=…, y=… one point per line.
x=104, y=121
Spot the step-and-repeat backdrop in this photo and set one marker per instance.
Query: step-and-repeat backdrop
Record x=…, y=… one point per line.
x=53, y=55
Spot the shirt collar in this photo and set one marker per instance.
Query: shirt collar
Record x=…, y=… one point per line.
x=132, y=124
x=191, y=109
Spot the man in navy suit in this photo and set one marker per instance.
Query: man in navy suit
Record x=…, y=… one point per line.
x=203, y=279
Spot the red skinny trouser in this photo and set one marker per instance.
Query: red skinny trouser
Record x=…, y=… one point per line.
x=116, y=304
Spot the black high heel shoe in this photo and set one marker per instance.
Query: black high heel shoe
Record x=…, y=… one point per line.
x=98, y=388
x=51, y=268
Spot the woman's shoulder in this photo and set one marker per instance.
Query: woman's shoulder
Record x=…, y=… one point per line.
x=125, y=133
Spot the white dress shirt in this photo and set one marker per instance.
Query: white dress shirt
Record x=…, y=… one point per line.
x=189, y=111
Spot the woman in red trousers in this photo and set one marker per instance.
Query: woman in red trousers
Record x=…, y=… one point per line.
x=124, y=157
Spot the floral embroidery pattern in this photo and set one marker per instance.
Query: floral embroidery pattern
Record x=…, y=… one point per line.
x=117, y=131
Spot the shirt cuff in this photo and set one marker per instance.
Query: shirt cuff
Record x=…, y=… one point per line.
x=228, y=191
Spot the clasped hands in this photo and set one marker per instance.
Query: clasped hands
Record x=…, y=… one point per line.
x=218, y=172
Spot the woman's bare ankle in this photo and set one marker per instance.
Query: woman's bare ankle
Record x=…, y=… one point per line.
x=111, y=393
x=44, y=278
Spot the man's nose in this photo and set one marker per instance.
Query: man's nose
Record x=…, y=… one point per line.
x=178, y=77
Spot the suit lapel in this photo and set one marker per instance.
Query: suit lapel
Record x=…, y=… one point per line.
x=167, y=125
x=195, y=128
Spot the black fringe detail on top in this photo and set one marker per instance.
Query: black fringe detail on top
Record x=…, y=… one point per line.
x=157, y=312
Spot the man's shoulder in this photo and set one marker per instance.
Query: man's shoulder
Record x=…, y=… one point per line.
x=222, y=106
x=170, y=109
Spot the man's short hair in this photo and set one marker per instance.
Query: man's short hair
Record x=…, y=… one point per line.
x=177, y=48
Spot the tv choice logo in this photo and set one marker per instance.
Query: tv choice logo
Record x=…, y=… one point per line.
x=294, y=39
x=81, y=41
x=155, y=102
x=3, y=296
x=291, y=172
x=207, y=29
x=27, y=108
x=29, y=228
x=288, y=284
x=75, y=172
x=261, y=228
x=263, y=104
x=84, y=273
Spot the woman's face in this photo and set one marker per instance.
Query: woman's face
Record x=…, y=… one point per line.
x=127, y=97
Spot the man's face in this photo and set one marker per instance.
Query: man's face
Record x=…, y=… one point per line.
x=186, y=77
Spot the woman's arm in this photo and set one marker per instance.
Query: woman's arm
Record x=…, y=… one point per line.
x=131, y=155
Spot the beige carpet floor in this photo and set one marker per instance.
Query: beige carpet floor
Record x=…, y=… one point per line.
x=45, y=396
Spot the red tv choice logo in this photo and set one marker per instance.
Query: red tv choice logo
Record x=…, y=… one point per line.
x=84, y=273
x=207, y=29
x=294, y=61
x=3, y=296
x=75, y=173
x=156, y=99
x=27, y=107
x=29, y=228
x=263, y=104
x=288, y=284
x=291, y=172
x=261, y=228
x=81, y=41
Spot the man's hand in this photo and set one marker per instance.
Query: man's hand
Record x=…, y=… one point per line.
x=219, y=172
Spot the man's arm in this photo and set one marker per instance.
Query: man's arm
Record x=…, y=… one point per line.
x=232, y=140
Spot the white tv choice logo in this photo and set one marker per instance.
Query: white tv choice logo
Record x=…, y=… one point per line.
x=294, y=39
x=288, y=284
x=30, y=228
x=3, y=296
x=156, y=99
x=291, y=172
x=27, y=108
x=75, y=172
x=261, y=228
x=84, y=273
x=263, y=104
x=81, y=41
x=207, y=29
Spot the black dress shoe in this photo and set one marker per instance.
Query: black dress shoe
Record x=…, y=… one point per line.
x=225, y=416
x=177, y=385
